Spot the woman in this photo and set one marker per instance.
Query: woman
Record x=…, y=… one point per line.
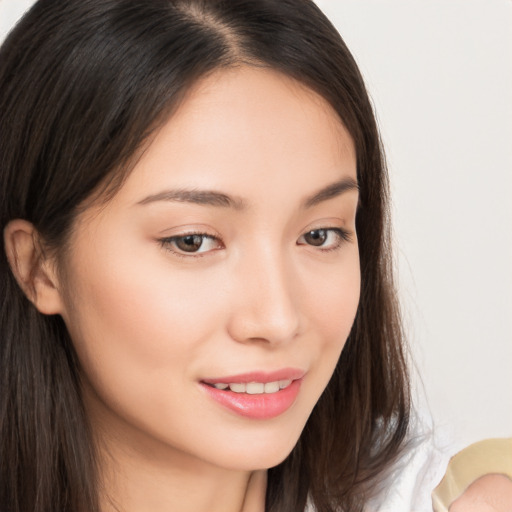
x=199, y=311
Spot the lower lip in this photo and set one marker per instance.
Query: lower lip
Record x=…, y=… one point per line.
x=262, y=406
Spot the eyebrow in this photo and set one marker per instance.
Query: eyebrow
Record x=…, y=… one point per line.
x=331, y=191
x=202, y=197
x=219, y=199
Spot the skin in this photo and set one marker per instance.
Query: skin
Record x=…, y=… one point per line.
x=490, y=493
x=149, y=323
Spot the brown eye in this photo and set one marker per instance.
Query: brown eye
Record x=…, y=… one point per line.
x=192, y=244
x=326, y=239
x=189, y=243
x=316, y=237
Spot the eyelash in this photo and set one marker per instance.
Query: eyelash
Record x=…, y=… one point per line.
x=168, y=242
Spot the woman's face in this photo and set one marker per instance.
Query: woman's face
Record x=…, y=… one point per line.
x=229, y=256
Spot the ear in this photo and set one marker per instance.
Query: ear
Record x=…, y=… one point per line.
x=35, y=272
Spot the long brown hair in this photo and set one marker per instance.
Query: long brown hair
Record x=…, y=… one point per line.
x=83, y=83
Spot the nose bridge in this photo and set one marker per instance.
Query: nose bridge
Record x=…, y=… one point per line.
x=266, y=307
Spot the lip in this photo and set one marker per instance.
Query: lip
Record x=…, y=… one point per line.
x=259, y=376
x=261, y=406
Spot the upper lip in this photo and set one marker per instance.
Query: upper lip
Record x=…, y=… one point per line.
x=259, y=376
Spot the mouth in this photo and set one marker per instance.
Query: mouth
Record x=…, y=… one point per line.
x=256, y=395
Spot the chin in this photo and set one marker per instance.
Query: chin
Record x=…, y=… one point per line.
x=251, y=460
x=254, y=452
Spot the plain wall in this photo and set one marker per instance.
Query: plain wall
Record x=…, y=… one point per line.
x=440, y=75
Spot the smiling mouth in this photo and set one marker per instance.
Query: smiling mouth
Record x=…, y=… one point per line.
x=252, y=388
x=253, y=398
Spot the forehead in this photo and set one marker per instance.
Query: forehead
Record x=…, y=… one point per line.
x=250, y=130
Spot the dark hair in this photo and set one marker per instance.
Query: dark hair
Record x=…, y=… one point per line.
x=83, y=84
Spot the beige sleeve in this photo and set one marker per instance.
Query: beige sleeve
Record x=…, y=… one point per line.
x=491, y=456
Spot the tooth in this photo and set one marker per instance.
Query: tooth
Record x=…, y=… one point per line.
x=284, y=383
x=255, y=388
x=272, y=387
x=220, y=385
x=237, y=388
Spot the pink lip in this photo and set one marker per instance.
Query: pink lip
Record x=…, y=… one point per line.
x=259, y=376
x=262, y=406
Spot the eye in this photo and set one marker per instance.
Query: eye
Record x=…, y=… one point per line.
x=191, y=243
x=326, y=238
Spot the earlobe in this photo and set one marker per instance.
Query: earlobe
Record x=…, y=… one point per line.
x=35, y=272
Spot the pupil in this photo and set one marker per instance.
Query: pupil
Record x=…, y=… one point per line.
x=316, y=237
x=190, y=243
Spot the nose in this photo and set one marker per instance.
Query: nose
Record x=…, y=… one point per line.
x=265, y=306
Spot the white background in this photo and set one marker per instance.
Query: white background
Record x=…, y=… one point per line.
x=440, y=75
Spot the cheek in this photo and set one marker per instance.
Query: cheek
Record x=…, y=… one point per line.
x=332, y=299
x=342, y=294
x=135, y=323
x=332, y=306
